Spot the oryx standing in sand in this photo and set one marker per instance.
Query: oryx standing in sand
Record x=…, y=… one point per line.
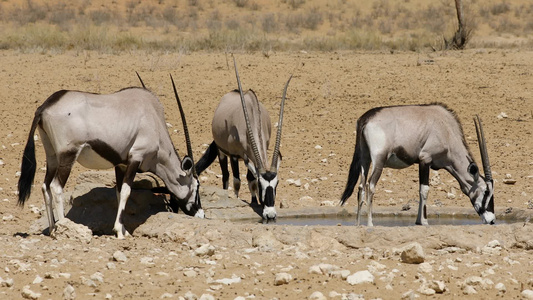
x=428, y=135
x=241, y=130
x=125, y=130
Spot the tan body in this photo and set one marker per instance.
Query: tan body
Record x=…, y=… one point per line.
x=229, y=126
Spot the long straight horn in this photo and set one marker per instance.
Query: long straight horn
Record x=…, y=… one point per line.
x=184, y=121
x=249, y=132
x=275, y=155
x=483, y=148
x=140, y=79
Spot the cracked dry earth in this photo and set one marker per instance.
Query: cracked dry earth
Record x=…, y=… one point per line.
x=174, y=256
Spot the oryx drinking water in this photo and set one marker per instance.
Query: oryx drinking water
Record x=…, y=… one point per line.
x=428, y=135
x=241, y=130
x=125, y=130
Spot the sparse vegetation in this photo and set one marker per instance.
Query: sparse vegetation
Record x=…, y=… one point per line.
x=193, y=25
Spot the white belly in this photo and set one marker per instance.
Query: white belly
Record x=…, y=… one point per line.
x=91, y=160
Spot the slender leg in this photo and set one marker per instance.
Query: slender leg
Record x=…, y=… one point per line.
x=47, y=193
x=234, y=160
x=66, y=160
x=423, y=174
x=252, y=184
x=119, y=175
x=361, y=195
x=125, y=191
x=376, y=173
x=223, y=160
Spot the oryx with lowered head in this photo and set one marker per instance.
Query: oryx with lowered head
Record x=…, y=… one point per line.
x=428, y=135
x=241, y=130
x=125, y=130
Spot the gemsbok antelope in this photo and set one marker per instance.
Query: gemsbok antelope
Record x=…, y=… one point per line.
x=125, y=130
x=241, y=130
x=428, y=135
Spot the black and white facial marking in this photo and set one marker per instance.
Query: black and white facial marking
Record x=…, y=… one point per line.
x=267, y=184
x=193, y=206
x=482, y=195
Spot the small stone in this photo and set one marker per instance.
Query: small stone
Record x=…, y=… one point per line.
x=527, y=294
x=69, y=293
x=190, y=273
x=318, y=147
x=360, y=277
x=206, y=297
x=469, y=290
x=425, y=267
x=343, y=274
x=29, y=294
x=502, y=115
x=205, y=250
x=438, y=286
x=38, y=279
x=120, y=256
x=413, y=254
x=500, y=287
x=228, y=281
x=282, y=278
x=317, y=296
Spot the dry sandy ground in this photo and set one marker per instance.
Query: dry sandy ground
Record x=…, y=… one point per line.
x=326, y=96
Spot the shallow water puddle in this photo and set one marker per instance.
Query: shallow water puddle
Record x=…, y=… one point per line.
x=388, y=221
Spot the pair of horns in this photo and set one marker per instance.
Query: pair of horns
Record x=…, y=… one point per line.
x=183, y=120
x=483, y=148
x=249, y=133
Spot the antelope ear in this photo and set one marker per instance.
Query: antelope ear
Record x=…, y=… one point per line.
x=187, y=164
x=474, y=170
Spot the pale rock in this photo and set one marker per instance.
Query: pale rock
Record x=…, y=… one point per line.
x=206, y=297
x=527, y=294
x=97, y=276
x=108, y=296
x=412, y=254
x=29, y=294
x=69, y=293
x=343, y=274
x=120, y=256
x=228, y=281
x=500, y=287
x=375, y=267
x=502, y=115
x=473, y=281
x=166, y=295
x=317, y=296
x=67, y=230
x=327, y=268
x=190, y=273
x=425, y=267
x=315, y=270
x=190, y=296
x=88, y=282
x=410, y=295
x=469, y=290
x=425, y=290
x=282, y=278
x=38, y=279
x=334, y=294
x=327, y=203
x=265, y=241
x=205, y=250
x=7, y=282
x=318, y=147
x=438, y=286
x=360, y=277
x=146, y=260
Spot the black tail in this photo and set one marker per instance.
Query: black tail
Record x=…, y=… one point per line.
x=140, y=79
x=353, y=174
x=207, y=159
x=29, y=164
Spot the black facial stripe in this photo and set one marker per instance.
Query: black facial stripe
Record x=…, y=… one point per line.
x=269, y=197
